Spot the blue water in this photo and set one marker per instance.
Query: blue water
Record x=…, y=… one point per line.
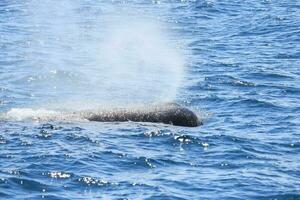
x=241, y=74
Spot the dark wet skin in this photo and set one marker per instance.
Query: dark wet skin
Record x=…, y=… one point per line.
x=168, y=113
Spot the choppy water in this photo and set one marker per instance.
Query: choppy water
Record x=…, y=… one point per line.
x=242, y=61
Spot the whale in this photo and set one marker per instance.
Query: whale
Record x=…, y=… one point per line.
x=166, y=113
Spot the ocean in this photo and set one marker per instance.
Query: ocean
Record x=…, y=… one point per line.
x=235, y=63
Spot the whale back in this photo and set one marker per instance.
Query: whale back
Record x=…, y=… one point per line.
x=168, y=113
x=175, y=114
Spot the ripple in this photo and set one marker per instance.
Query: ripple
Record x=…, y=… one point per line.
x=228, y=80
x=263, y=75
x=255, y=103
x=27, y=184
x=44, y=134
x=61, y=175
x=2, y=140
x=290, y=196
x=288, y=56
x=50, y=127
x=90, y=181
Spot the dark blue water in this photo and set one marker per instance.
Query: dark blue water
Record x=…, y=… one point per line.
x=241, y=74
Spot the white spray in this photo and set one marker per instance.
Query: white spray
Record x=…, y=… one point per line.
x=90, y=59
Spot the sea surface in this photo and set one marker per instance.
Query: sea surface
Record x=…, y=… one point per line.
x=235, y=63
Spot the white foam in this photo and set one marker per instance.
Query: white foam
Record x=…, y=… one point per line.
x=21, y=114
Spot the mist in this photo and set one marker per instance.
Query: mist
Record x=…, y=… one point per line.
x=90, y=57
